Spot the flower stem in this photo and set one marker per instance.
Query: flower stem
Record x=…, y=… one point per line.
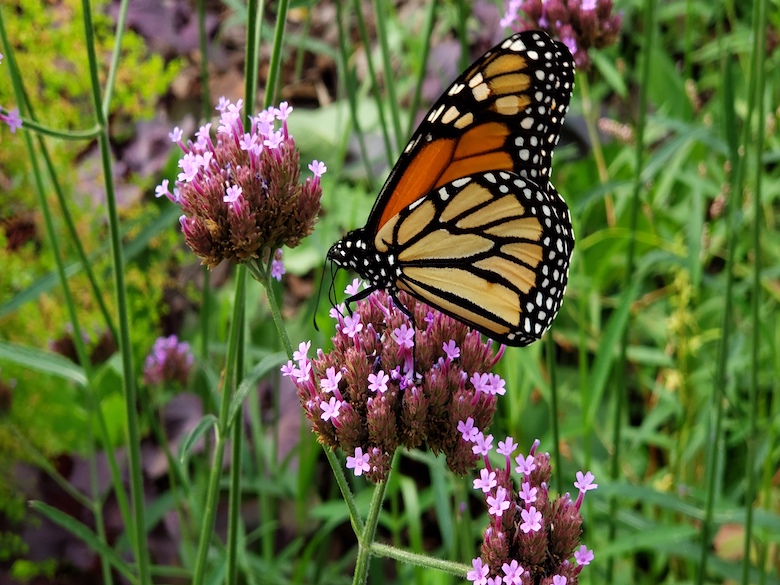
x=229, y=382
x=366, y=536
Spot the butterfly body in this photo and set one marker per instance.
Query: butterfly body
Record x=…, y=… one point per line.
x=468, y=221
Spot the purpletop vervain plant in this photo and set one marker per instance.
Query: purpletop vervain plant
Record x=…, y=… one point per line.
x=390, y=382
x=579, y=24
x=169, y=361
x=532, y=538
x=240, y=190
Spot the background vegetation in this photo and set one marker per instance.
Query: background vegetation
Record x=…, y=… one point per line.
x=660, y=374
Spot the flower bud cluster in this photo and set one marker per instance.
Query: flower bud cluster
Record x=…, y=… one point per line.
x=240, y=190
x=532, y=538
x=579, y=24
x=169, y=361
x=390, y=381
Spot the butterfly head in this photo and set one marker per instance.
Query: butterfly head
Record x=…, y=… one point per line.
x=347, y=252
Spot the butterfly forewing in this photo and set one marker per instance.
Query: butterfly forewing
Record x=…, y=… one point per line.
x=504, y=113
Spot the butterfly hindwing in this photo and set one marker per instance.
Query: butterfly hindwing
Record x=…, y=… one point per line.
x=490, y=250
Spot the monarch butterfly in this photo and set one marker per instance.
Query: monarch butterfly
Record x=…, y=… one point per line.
x=468, y=221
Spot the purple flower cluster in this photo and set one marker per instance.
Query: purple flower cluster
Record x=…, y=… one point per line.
x=240, y=190
x=169, y=361
x=579, y=24
x=391, y=381
x=531, y=538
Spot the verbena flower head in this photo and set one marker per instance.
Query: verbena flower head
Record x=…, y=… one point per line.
x=169, y=361
x=532, y=538
x=579, y=24
x=240, y=189
x=391, y=382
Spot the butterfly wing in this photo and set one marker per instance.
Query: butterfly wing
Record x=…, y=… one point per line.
x=491, y=250
x=468, y=221
x=502, y=114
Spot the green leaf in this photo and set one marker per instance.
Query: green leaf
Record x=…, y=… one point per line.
x=192, y=437
x=43, y=361
x=250, y=382
x=88, y=537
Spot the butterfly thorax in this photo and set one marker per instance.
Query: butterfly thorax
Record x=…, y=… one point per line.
x=357, y=253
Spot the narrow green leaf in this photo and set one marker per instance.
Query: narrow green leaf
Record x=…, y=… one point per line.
x=189, y=441
x=250, y=382
x=607, y=353
x=88, y=537
x=43, y=361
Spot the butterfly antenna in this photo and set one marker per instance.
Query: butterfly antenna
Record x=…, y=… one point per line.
x=319, y=294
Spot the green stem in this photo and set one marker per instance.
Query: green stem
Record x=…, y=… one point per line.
x=116, y=55
x=382, y=18
x=366, y=536
x=349, y=82
x=758, y=77
x=591, y=114
x=622, y=386
x=141, y=547
x=426, y=48
x=556, y=432
x=380, y=110
x=212, y=490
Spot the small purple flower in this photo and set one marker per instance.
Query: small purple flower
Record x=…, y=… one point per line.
x=274, y=140
x=499, y=504
x=318, y=168
x=283, y=111
x=482, y=445
x=331, y=382
x=528, y=493
x=378, y=382
x=277, y=267
x=175, y=135
x=359, y=462
x=481, y=382
x=486, y=481
x=288, y=369
x=506, y=447
x=478, y=575
x=330, y=409
x=497, y=385
x=352, y=325
x=404, y=336
x=532, y=520
x=585, y=483
x=353, y=287
x=525, y=465
x=559, y=580
x=303, y=351
x=468, y=431
x=583, y=555
x=451, y=350
x=513, y=573
x=232, y=194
